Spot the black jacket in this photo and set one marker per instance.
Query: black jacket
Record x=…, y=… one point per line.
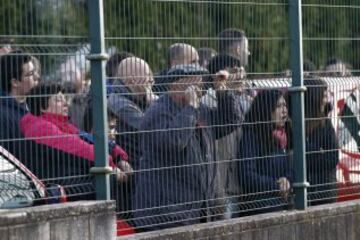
x=322, y=156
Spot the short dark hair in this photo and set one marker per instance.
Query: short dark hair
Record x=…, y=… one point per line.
x=39, y=96
x=313, y=97
x=308, y=66
x=11, y=68
x=333, y=60
x=114, y=61
x=342, y=72
x=228, y=36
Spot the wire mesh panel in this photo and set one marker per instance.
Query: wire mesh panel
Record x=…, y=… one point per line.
x=332, y=129
x=43, y=90
x=181, y=98
x=197, y=91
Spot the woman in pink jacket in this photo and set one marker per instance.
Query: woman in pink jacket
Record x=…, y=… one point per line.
x=48, y=124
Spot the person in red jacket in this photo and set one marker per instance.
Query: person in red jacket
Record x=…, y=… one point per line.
x=48, y=124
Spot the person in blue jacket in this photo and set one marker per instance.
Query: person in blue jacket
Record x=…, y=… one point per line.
x=178, y=183
x=322, y=150
x=265, y=168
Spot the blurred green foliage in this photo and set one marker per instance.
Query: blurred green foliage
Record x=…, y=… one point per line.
x=148, y=27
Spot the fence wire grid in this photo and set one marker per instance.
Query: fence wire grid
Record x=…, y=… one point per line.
x=198, y=117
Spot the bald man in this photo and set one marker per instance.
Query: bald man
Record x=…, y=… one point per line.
x=179, y=53
x=132, y=95
x=182, y=53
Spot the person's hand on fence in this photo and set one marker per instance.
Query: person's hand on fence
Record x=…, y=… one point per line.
x=192, y=96
x=120, y=175
x=126, y=168
x=118, y=153
x=284, y=185
x=236, y=80
x=221, y=80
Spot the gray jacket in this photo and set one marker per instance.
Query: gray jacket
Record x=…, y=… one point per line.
x=130, y=114
x=178, y=145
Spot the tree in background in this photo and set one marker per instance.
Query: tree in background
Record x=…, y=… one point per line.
x=148, y=27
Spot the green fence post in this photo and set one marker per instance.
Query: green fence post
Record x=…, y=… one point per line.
x=98, y=87
x=297, y=105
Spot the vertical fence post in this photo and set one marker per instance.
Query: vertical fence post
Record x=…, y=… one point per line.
x=98, y=88
x=297, y=105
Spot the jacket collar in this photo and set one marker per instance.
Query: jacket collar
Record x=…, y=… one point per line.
x=62, y=122
x=10, y=102
x=121, y=89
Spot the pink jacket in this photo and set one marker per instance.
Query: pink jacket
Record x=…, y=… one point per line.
x=56, y=131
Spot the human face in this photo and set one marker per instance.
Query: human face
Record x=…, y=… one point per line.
x=280, y=115
x=142, y=85
x=58, y=105
x=182, y=84
x=241, y=50
x=178, y=89
x=142, y=79
x=29, y=79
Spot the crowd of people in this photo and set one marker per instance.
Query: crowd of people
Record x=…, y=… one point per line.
x=190, y=144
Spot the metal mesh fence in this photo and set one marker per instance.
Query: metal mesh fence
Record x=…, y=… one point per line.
x=186, y=162
x=42, y=43
x=198, y=93
x=332, y=146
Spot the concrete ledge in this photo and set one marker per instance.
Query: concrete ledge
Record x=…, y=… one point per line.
x=54, y=211
x=330, y=222
x=75, y=220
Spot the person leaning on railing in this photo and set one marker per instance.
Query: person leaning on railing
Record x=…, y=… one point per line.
x=131, y=95
x=265, y=168
x=179, y=183
x=48, y=124
x=322, y=150
x=18, y=75
x=233, y=47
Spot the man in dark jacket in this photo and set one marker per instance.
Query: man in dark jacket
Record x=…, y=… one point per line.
x=132, y=95
x=178, y=184
x=233, y=56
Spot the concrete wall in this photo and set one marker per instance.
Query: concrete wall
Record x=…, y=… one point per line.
x=328, y=222
x=76, y=220
x=96, y=220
